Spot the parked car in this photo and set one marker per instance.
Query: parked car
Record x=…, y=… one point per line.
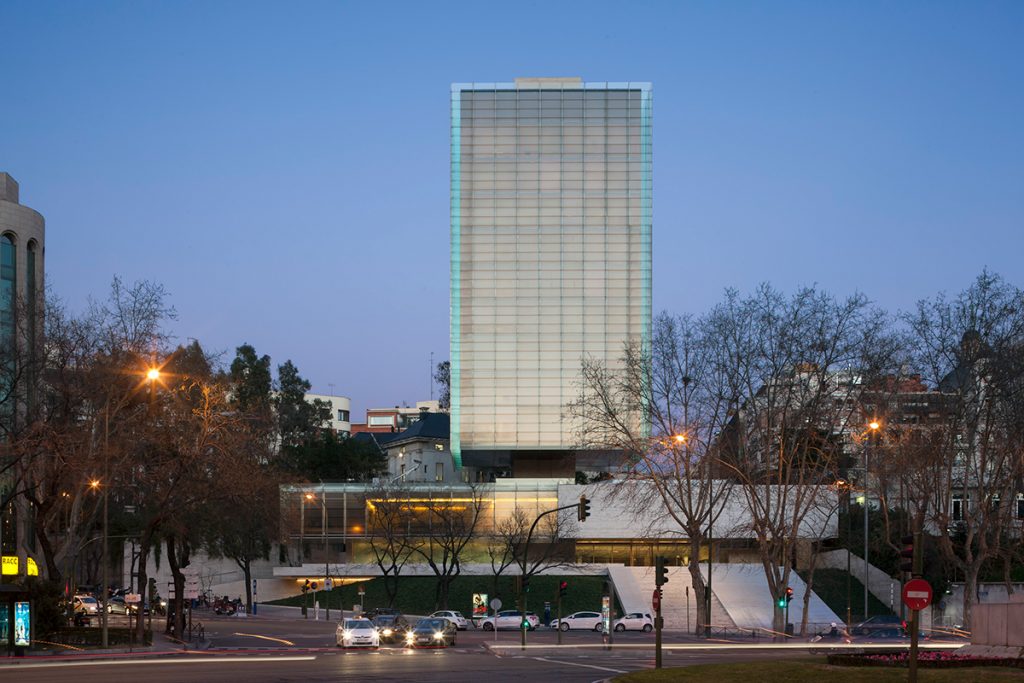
x=390, y=627
x=431, y=633
x=357, y=633
x=634, y=621
x=588, y=621
x=85, y=604
x=510, y=618
x=454, y=616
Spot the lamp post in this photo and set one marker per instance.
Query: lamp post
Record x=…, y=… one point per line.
x=872, y=427
x=323, y=532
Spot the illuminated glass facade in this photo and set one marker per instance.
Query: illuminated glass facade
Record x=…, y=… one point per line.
x=550, y=252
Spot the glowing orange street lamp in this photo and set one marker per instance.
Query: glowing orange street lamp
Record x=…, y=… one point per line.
x=873, y=426
x=94, y=484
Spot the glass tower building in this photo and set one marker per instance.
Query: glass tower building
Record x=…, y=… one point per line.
x=550, y=258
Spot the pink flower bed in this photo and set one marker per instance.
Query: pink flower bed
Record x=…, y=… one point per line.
x=937, y=659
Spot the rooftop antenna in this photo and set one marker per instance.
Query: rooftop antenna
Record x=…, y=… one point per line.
x=331, y=386
x=430, y=374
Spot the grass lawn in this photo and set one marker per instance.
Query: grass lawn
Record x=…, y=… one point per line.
x=417, y=594
x=830, y=585
x=816, y=671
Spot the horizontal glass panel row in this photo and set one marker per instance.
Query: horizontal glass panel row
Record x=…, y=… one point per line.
x=489, y=154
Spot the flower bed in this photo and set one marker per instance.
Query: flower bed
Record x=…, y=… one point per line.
x=926, y=660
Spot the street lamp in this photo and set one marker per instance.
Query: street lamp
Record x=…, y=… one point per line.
x=873, y=427
x=327, y=554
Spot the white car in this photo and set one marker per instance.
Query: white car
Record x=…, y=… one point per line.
x=590, y=621
x=453, y=616
x=509, y=618
x=357, y=633
x=635, y=621
x=86, y=604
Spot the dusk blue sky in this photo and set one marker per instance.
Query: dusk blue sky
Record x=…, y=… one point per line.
x=283, y=169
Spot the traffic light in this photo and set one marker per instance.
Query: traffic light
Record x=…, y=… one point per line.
x=562, y=588
x=526, y=584
x=907, y=554
x=305, y=586
x=660, y=571
x=781, y=602
x=789, y=595
x=584, y=510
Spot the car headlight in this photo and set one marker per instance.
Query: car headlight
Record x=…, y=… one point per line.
x=387, y=632
x=409, y=637
x=438, y=635
x=346, y=634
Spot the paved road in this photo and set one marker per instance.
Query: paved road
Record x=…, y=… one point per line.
x=474, y=665
x=278, y=648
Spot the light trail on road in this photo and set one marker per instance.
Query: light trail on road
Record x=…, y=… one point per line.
x=276, y=640
x=164, y=661
x=718, y=647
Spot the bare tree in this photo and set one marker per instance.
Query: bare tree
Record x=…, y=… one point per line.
x=970, y=349
x=663, y=407
x=795, y=368
x=449, y=524
x=507, y=545
x=389, y=526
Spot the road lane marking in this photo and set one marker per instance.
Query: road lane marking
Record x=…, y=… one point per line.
x=276, y=640
x=588, y=666
x=162, y=661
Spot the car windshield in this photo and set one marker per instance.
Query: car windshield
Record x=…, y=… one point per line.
x=88, y=599
x=384, y=620
x=435, y=624
x=358, y=624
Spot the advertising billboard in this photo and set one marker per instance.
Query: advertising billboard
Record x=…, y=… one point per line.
x=22, y=625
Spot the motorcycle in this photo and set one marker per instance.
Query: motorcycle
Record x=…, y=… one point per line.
x=224, y=607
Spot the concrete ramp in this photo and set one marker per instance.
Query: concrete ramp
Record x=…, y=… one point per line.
x=743, y=591
x=678, y=605
x=740, y=597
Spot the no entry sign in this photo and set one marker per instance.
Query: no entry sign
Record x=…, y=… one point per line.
x=917, y=594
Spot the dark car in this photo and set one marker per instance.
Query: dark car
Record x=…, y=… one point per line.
x=432, y=633
x=882, y=627
x=391, y=627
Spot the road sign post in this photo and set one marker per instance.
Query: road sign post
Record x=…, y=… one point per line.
x=917, y=595
x=495, y=605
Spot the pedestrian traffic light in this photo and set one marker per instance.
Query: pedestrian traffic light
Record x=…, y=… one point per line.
x=562, y=588
x=907, y=554
x=584, y=510
x=660, y=571
x=789, y=595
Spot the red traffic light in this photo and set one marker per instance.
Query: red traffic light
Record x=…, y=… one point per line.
x=907, y=554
